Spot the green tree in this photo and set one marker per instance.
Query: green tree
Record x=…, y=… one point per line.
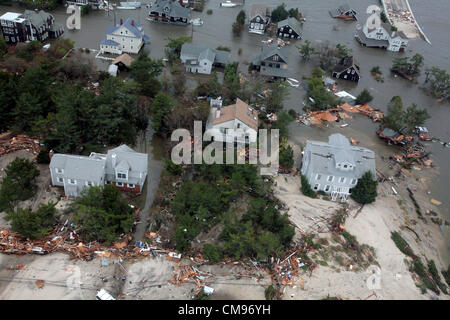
x=414, y=117
x=439, y=83
x=279, y=91
x=86, y=9
x=212, y=253
x=175, y=44
x=31, y=224
x=18, y=183
x=280, y=13
x=3, y=47
x=306, y=187
x=321, y=98
x=269, y=293
x=306, y=50
x=416, y=63
x=365, y=190
x=161, y=106
x=102, y=214
x=144, y=68
x=286, y=157
x=8, y=87
x=343, y=51
x=294, y=13
x=240, y=18
x=383, y=17
x=364, y=97
x=394, y=117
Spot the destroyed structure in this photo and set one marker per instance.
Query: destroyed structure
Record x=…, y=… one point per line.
x=336, y=166
x=123, y=167
x=344, y=12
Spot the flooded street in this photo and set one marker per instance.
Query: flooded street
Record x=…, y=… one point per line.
x=216, y=31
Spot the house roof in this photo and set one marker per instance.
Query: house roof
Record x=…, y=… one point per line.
x=37, y=19
x=79, y=167
x=126, y=156
x=346, y=63
x=241, y=111
x=270, y=50
x=13, y=16
x=259, y=9
x=191, y=51
x=291, y=22
x=109, y=42
x=322, y=157
x=274, y=72
x=336, y=12
x=134, y=29
x=370, y=42
x=125, y=58
x=171, y=8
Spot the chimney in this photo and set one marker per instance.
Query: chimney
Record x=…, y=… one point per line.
x=121, y=21
x=113, y=160
x=132, y=22
x=218, y=113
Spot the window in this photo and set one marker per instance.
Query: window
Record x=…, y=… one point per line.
x=107, y=182
x=60, y=180
x=316, y=186
x=72, y=181
x=342, y=180
x=318, y=177
x=238, y=125
x=330, y=178
x=276, y=58
x=130, y=185
x=345, y=166
x=327, y=188
x=119, y=184
x=89, y=183
x=354, y=180
x=58, y=170
x=121, y=175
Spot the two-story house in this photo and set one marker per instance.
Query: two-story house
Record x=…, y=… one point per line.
x=127, y=37
x=347, y=69
x=234, y=123
x=94, y=4
x=272, y=62
x=13, y=27
x=289, y=28
x=123, y=167
x=201, y=59
x=382, y=37
x=336, y=166
x=169, y=11
x=258, y=18
x=31, y=25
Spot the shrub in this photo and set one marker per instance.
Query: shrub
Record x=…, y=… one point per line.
x=173, y=168
x=286, y=157
x=306, y=187
x=212, y=253
x=269, y=293
x=43, y=157
x=401, y=244
x=31, y=224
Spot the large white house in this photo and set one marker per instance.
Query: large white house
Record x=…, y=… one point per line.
x=126, y=37
x=382, y=37
x=234, y=123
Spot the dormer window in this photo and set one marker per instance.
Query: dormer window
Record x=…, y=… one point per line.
x=121, y=175
x=58, y=170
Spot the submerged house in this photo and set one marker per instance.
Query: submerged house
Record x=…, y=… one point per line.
x=95, y=4
x=201, y=59
x=336, y=166
x=382, y=37
x=127, y=37
x=347, y=69
x=258, y=18
x=272, y=62
x=343, y=12
x=32, y=25
x=123, y=167
x=234, y=123
x=289, y=28
x=169, y=11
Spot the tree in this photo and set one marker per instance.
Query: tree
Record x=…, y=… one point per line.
x=8, y=87
x=31, y=224
x=408, y=68
x=394, y=117
x=175, y=44
x=287, y=157
x=144, y=68
x=280, y=13
x=212, y=253
x=365, y=190
x=414, y=117
x=306, y=187
x=279, y=91
x=240, y=18
x=102, y=214
x=439, y=83
x=322, y=99
x=3, y=47
x=383, y=17
x=161, y=106
x=238, y=25
x=270, y=293
x=342, y=51
x=416, y=63
x=306, y=50
x=364, y=97
x=294, y=13
x=18, y=183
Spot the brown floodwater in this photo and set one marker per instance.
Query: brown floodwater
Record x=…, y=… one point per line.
x=319, y=26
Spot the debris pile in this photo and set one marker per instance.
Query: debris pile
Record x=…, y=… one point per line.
x=10, y=144
x=286, y=270
x=188, y=273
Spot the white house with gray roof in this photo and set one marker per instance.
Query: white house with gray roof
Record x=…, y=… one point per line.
x=201, y=59
x=382, y=37
x=336, y=166
x=127, y=37
x=123, y=167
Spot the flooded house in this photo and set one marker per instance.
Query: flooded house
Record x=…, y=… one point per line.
x=234, y=123
x=122, y=167
x=343, y=12
x=347, y=69
x=272, y=62
x=382, y=37
x=94, y=4
x=127, y=37
x=201, y=59
x=334, y=167
x=31, y=25
x=289, y=28
x=169, y=11
x=258, y=18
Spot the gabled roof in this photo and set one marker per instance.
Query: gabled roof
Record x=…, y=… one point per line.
x=37, y=19
x=125, y=58
x=241, y=111
x=259, y=10
x=269, y=51
x=134, y=29
x=291, y=22
x=191, y=51
x=346, y=63
x=125, y=156
x=171, y=8
x=79, y=167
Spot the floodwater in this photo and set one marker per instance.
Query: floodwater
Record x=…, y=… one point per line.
x=319, y=26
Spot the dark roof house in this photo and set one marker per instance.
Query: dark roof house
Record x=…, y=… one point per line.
x=289, y=28
x=272, y=62
x=347, y=69
x=169, y=11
